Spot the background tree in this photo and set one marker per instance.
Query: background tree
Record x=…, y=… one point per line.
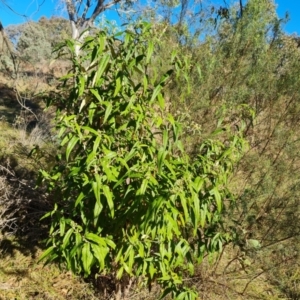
x=34, y=41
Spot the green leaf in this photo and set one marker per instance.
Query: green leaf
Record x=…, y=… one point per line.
x=152, y=270
x=149, y=51
x=120, y=273
x=196, y=209
x=160, y=159
x=83, y=103
x=66, y=238
x=47, y=215
x=102, y=42
x=110, y=154
x=96, y=239
x=118, y=86
x=171, y=168
x=161, y=101
x=86, y=258
x=145, y=83
x=101, y=68
x=90, y=159
x=143, y=187
x=100, y=255
x=89, y=129
x=184, y=206
x=141, y=250
x=107, y=111
x=131, y=260
x=71, y=145
x=108, y=195
x=217, y=195
x=78, y=238
x=96, y=143
x=203, y=214
x=126, y=268
x=165, y=139
x=131, y=153
x=96, y=185
x=109, y=171
x=65, y=139
x=155, y=93
x=81, y=88
x=62, y=226
x=96, y=94
x=92, y=109
x=97, y=210
x=70, y=44
x=198, y=183
x=46, y=253
x=110, y=243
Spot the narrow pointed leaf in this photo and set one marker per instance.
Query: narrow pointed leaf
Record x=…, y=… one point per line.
x=71, y=145
x=109, y=199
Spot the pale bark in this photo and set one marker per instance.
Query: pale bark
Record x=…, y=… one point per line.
x=80, y=22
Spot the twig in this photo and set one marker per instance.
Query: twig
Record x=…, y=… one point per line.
x=19, y=99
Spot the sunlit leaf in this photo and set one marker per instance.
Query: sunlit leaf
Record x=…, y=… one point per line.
x=108, y=195
x=86, y=258
x=107, y=111
x=46, y=253
x=72, y=143
x=66, y=238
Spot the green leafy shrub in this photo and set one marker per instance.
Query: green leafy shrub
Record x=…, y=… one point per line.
x=128, y=200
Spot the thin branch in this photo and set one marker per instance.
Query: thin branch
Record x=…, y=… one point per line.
x=101, y=8
x=241, y=8
x=10, y=8
x=263, y=271
x=39, y=5
x=23, y=105
x=98, y=9
x=71, y=11
x=86, y=9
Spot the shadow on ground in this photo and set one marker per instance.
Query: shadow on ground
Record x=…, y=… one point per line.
x=10, y=107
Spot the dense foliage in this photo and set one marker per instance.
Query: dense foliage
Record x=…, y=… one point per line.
x=129, y=200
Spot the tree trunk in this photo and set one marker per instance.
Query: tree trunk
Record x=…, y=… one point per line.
x=75, y=36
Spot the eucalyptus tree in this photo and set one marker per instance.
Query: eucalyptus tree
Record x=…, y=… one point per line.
x=185, y=14
x=83, y=13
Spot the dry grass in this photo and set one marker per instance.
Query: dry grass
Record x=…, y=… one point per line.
x=22, y=277
x=235, y=277
x=21, y=206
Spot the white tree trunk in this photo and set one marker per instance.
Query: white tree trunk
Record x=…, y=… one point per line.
x=75, y=36
x=78, y=10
